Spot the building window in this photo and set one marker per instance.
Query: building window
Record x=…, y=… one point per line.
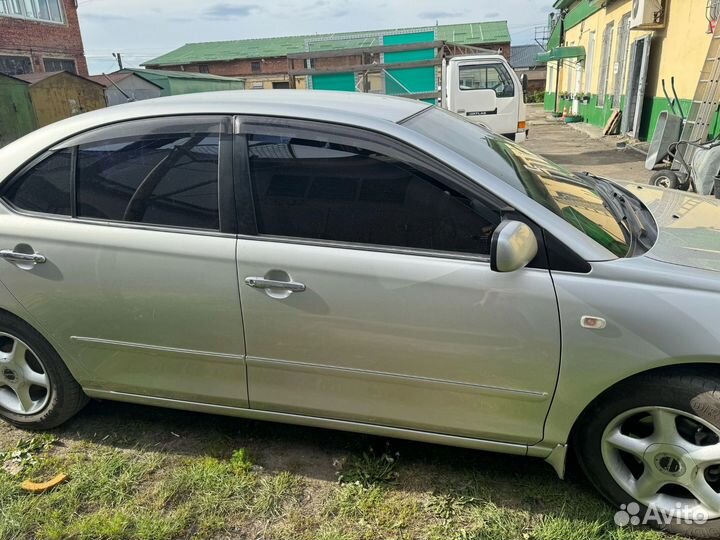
x=258, y=85
x=204, y=68
x=15, y=65
x=256, y=67
x=59, y=64
x=605, y=64
x=621, y=58
x=589, y=59
x=43, y=10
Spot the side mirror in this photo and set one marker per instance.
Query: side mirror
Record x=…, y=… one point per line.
x=524, y=82
x=513, y=246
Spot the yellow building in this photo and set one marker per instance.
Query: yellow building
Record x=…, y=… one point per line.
x=615, y=54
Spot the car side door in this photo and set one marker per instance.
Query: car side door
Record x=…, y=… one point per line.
x=474, y=80
x=137, y=287
x=367, y=292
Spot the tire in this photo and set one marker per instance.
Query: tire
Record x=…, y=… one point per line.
x=691, y=397
x=55, y=398
x=665, y=179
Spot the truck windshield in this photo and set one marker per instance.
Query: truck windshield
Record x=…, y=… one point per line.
x=576, y=199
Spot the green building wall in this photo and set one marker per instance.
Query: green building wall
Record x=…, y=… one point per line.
x=652, y=107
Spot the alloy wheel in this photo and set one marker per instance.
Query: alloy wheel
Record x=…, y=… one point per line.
x=667, y=459
x=24, y=382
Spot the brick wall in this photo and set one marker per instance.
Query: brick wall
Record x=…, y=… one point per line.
x=39, y=39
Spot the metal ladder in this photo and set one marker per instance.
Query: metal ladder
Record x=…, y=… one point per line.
x=705, y=102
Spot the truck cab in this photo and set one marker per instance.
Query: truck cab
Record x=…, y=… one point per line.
x=485, y=89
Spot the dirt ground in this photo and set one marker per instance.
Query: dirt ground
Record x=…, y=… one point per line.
x=573, y=147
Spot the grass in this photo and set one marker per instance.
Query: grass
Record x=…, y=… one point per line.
x=173, y=475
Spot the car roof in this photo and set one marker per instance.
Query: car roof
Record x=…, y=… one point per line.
x=305, y=102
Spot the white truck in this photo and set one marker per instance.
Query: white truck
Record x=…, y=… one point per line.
x=486, y=90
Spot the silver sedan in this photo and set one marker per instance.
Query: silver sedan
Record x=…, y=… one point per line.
x=369, y=264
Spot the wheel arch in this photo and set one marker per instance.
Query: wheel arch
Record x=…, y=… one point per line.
x=11, y=307
x=559, y=455
x=691, y=368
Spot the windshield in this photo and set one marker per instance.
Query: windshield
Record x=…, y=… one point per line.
x=576, y=199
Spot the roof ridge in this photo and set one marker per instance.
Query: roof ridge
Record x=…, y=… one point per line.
x=350, y=32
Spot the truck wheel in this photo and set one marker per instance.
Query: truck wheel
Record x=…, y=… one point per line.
x=652, y=448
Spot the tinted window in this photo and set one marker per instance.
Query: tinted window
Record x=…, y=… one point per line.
x=45, y=188
x=326, y=191
x=487, y=77
x=576, y=199
x=159, y=178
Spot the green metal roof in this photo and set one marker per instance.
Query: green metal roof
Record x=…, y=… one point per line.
x=180, y=74
x=480, y=33
x=560, y=53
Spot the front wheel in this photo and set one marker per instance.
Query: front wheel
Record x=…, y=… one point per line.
x=652, y=447
x=36, y=389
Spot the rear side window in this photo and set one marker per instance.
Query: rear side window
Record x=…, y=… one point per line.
x=46, y=187
x=487, y=77
x=325, y=191
x=159, y=178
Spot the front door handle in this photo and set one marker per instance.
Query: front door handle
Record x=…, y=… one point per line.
x=16, y=256
x=263, y=283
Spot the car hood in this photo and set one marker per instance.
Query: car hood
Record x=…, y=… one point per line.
x=689, y=226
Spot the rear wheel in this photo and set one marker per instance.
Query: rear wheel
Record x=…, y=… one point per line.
x=652, y=447
x=36, y=389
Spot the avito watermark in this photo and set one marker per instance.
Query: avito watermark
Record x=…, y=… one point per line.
x=630, y=514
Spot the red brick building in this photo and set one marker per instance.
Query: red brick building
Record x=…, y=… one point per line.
x=40, y=35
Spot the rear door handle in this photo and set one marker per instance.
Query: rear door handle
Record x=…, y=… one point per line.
x=262, y=283
x=16, y=256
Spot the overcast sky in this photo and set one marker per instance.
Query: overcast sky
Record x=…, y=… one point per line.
x=145, y=29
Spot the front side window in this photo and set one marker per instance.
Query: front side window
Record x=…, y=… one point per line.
x=45, y=188
x=324, y=191
x=493, y=77
x=158, y=178
x=578, y=200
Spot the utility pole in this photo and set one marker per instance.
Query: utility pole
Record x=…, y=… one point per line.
x=118, y=57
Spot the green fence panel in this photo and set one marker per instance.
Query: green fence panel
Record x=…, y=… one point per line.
x=412, y=80
x=344, y=82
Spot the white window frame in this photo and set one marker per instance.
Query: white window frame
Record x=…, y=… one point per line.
x=605, y=64
x=30, y=10
x=621, y=59
x=589, y=59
